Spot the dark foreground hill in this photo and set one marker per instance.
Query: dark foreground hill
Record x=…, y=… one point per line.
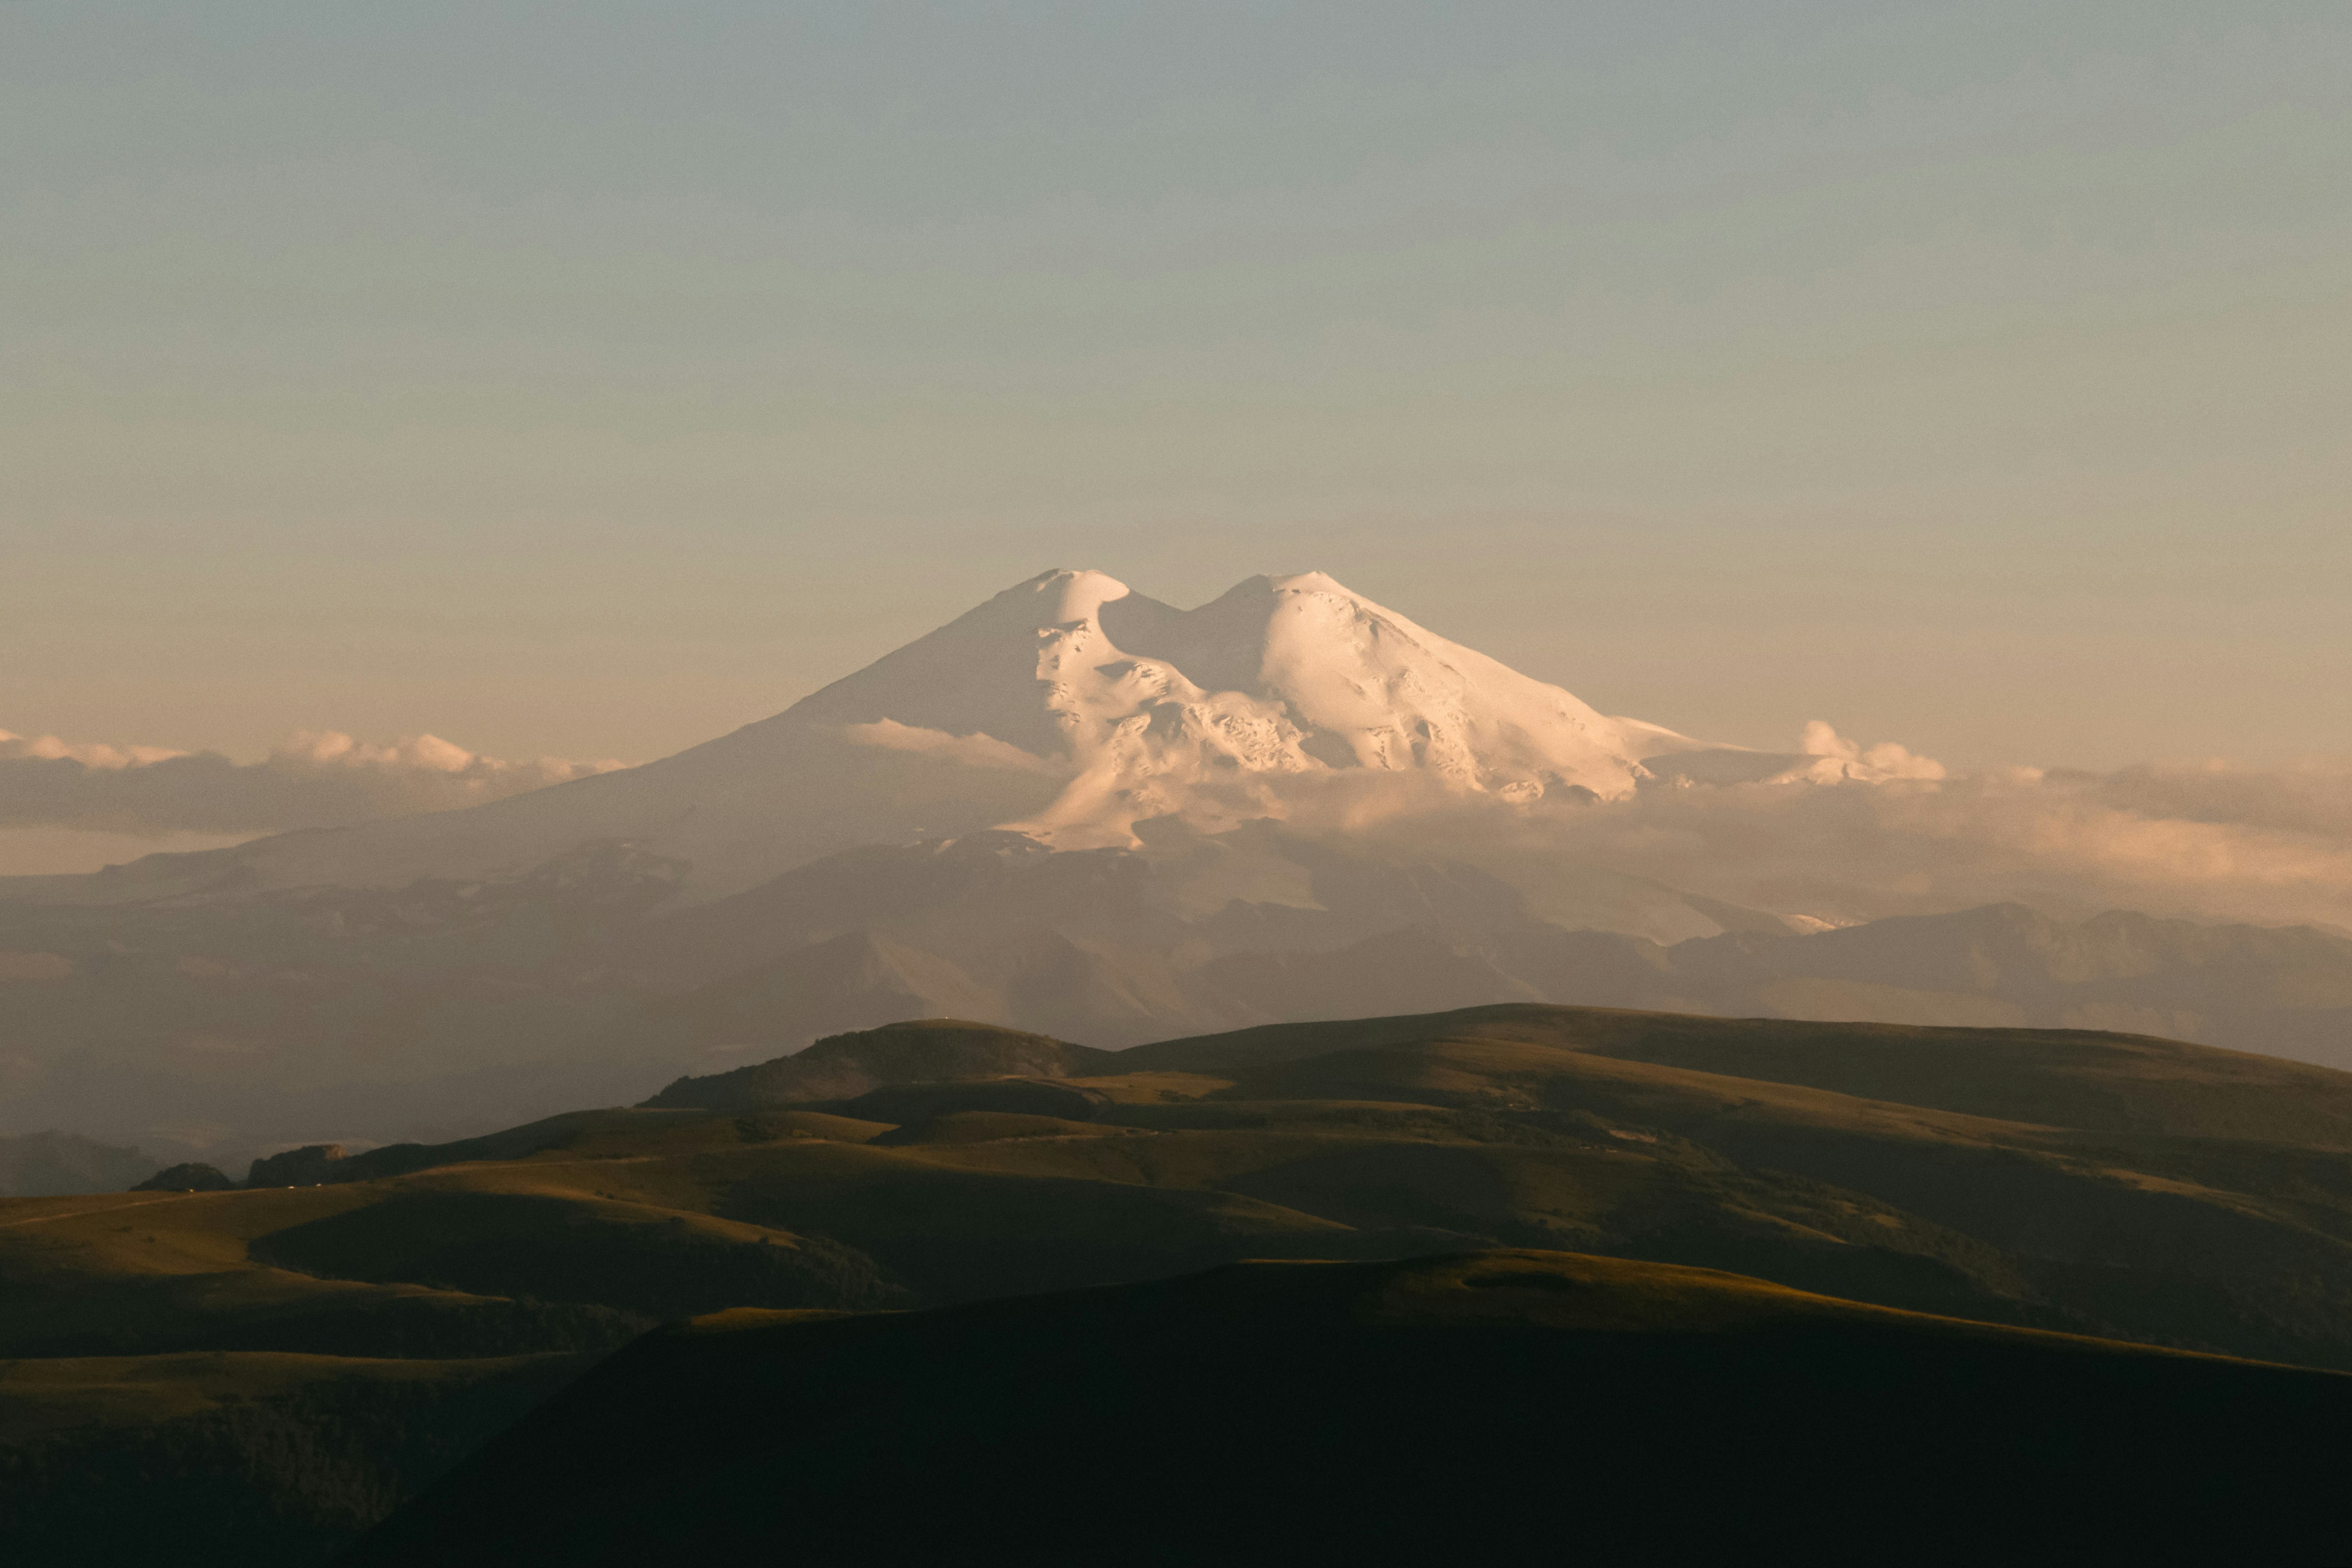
x=245, y=1459
x=2097, y=1185
x=1502, y=1407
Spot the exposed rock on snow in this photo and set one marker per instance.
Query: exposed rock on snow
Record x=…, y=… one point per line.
x=1156, y=711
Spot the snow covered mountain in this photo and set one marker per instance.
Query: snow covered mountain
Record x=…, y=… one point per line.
x=1067, y=708
x=1072, y=810
x=1154, y=711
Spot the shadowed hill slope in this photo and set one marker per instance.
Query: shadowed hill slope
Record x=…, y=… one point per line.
x=237, y=1460
x=1508, y=1406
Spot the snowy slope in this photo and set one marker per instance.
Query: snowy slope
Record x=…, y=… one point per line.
x=1155, y=710
x=1067, y=708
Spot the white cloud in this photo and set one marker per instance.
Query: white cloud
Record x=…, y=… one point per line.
x=976, y=750
x=312, y=778
x=1841, y=832
x=1855, y=834
x=2060, y=841
x=89, y=754
x=1837, y=760
x=424, y=762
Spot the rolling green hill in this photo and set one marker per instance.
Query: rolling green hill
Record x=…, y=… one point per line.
x=2095, y=1184
x=922, y=1050
x=2071, y=1078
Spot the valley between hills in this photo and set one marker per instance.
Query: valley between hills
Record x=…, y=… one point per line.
x=265, y=1373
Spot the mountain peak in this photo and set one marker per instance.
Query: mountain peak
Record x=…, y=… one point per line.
x=1067, y=709
x=1147, y=710
x=1152, y=710
x=1061, y=597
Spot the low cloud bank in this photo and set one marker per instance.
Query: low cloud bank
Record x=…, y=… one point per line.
x=311, y=780
x=1854, y=833
x=974, y=751
x=1832, y=830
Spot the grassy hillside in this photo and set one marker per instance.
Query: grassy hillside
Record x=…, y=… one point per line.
x=2133, y=1188
x=925, y=1049
x=2069, y=1077
x=2097, y=1185
x=1502, y=1408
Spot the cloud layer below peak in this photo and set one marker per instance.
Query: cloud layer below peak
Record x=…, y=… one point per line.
x=1862, y=835
x=1833, y=830
x=313, y=779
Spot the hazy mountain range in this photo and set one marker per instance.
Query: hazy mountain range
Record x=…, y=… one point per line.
x=1073, y=809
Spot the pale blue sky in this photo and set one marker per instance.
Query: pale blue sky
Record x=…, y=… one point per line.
x=589, y=378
